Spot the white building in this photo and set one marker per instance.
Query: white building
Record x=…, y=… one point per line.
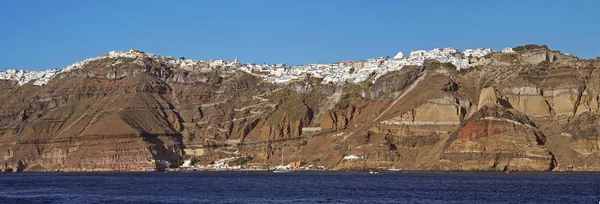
x=352, y=157
x=279, y=73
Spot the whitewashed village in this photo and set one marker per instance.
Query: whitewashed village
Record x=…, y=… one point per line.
x=337, y=73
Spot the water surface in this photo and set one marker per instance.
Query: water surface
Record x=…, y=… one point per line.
x=304, y=187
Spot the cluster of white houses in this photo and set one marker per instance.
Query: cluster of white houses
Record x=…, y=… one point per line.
x=341, y=72
x=24, y=76
x=359, y=71
x=43, y=77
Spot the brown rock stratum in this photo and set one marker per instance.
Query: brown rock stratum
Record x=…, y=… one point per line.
x=533, y=110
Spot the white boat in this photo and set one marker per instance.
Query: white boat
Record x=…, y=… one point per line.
x=393, y=169
x=373, y=172
x=281, y=168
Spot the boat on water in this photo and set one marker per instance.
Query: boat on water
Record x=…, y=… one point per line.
x=373, y=172
x=281, y=168
x=394, y=169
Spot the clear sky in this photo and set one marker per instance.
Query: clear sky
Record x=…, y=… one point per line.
x=45, y=34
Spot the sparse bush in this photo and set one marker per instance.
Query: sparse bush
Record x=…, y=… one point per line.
x=182, y=58
x=343, y=103
x=529, y=47
x=195, y=160
x=242, y=160
x=303, y=143
x=449, y=65
x=431, y=63
x=372, y=74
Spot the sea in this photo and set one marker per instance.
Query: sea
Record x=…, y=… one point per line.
x=300, y=187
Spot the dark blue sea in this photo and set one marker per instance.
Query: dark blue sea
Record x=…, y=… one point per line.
x=299, y=187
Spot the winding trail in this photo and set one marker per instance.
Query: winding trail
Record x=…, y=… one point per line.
x=409, y=89
x=85, y=114
x=98, y=113
x=331, y=101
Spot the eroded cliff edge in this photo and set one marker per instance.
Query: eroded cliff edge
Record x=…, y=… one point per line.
x=533, y=110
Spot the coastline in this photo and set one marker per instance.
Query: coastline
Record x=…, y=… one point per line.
x=303, y=171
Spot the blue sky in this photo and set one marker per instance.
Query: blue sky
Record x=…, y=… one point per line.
x=43, y=34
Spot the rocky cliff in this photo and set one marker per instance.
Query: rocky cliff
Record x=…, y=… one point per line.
x=532, y=110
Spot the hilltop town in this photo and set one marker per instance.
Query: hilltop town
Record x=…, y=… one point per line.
x=341, y=72
x=527, y=108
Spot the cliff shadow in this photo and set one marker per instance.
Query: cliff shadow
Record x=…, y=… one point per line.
x=504, y=103
x=163, y=151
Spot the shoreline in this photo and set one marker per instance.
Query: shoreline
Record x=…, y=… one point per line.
x=307, y=171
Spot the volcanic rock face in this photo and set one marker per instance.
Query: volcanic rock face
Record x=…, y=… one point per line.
x=532, y=110
x=488, y=97
x=337, y=121
x=287, y=121
x=497, y=138
x=447, y=110
x=87, y=124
